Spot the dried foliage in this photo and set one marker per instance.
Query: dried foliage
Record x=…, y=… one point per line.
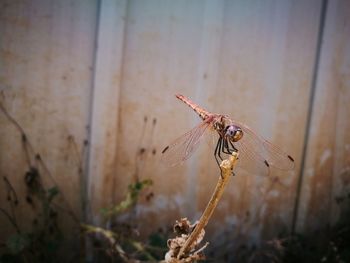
x=183, y=229
x=43, y=241
x=184, y=247
x=45, y=238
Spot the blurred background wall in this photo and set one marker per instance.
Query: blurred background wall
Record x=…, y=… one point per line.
x=92, y=85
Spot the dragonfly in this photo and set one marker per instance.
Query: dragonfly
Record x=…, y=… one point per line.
x=255, y=153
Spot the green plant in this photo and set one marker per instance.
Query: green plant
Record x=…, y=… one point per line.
x=121, y=241
x=130, y=200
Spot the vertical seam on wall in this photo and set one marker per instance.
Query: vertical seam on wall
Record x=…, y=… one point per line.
x=121, y=80
x=86, y=179
x=310, y=111
x=193, y=168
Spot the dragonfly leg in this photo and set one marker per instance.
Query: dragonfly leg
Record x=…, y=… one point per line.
x=225, y=148
x=219, y=148
x=233, y=147
x=216, y=151
x=217, y=154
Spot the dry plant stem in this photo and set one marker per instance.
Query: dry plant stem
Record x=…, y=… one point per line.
x=226, y=167
x=28, y=149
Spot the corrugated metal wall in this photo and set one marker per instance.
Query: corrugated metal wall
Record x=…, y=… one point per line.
x=73, y=72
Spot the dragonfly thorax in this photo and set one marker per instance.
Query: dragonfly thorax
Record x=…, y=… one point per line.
x=233, y=133
x=219, y=125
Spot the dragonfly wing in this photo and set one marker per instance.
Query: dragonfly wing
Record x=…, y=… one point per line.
x=249, y=160
x=278, y=158
x=183, y=147
x=257, y=148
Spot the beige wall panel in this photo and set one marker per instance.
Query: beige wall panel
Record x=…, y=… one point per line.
x=326, y=179
x=266, y=62
x=46, y=59
x=250, y=60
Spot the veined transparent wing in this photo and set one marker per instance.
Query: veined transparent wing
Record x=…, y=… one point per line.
x=184, y=146
x=256, y=148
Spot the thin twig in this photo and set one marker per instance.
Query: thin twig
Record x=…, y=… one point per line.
x=26, y=145
x=13, y=199
x=13, y=222
x=11, y=119
x=226, y=167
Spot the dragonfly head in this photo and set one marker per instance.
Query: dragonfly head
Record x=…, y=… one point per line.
x=234, y=133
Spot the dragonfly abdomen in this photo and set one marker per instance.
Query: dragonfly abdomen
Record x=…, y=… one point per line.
x=199, y=110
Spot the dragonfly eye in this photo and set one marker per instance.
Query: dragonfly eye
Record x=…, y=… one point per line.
x=238, y=134
x=234, y=133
